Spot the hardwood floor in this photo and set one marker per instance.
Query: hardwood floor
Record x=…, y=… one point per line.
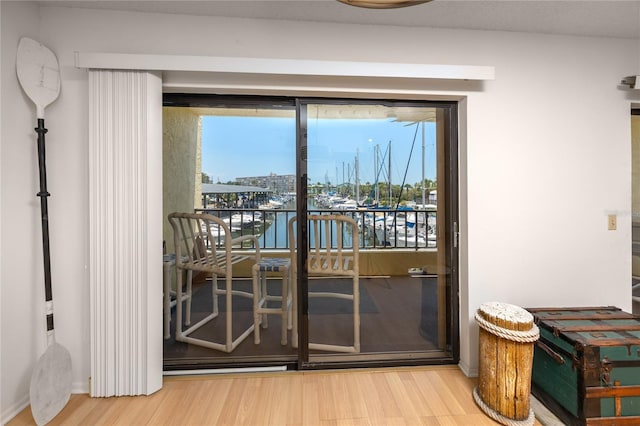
x=434, y=395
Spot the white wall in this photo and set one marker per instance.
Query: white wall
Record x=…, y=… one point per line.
x=546, y=157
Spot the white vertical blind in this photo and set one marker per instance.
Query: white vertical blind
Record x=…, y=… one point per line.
x=125, y=184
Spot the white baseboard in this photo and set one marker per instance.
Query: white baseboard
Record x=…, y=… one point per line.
x=469, y=372
x=224, y=371
x=15, y=409
x=80, y=387
x=543, y=414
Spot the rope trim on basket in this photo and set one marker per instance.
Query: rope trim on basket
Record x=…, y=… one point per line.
x=529, y=421
x=515, y=335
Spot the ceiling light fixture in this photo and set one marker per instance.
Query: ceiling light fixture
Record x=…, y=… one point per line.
x=383, y=4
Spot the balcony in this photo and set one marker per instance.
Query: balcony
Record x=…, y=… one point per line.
x=391, y=241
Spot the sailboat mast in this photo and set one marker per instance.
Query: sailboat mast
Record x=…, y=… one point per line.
x=343, y=179
x=348, y=182
x=390, y=190
x=424, y=191
x=357, y=177
x=375, y=162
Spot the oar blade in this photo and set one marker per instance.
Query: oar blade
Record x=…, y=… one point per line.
x=38, y=72
x=50, y=387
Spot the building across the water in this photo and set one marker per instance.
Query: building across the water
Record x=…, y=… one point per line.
x=217, y=195
x=279, y=184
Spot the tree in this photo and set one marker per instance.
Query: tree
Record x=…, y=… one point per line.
x=205, y=178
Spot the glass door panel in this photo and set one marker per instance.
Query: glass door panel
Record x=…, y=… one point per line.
x=233, y=158
x=384, y=167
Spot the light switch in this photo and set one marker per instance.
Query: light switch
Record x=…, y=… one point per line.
x=612, y=222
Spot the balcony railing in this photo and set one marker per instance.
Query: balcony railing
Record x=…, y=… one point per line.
x=379, y=228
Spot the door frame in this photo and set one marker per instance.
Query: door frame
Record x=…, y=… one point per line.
x=448, y=172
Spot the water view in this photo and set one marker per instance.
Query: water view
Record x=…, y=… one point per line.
x=400, y=228
x=371, y=162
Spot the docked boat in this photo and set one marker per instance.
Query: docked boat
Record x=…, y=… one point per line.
x=407, y=229
x=347, y=204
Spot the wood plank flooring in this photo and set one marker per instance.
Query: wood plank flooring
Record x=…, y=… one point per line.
x=430, y=395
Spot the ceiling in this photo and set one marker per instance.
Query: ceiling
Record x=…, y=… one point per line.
x=612, y=18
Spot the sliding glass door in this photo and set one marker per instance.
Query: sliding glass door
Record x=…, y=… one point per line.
x=386, y=166
x=369, y=277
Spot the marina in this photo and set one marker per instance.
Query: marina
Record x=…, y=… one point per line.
x=413, y=227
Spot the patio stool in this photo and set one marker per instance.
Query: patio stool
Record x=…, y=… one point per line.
x=168, y=264
x=261, y=296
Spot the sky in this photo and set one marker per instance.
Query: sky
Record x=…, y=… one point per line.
x=257, y=146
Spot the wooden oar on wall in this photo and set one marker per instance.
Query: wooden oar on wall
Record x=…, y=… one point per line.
x=50, y=388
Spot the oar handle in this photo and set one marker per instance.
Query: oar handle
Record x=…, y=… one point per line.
x=44, y=216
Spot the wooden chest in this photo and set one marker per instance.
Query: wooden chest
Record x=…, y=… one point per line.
x=586, y=365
